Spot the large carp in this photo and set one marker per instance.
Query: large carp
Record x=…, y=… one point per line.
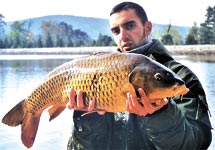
x=104, y=78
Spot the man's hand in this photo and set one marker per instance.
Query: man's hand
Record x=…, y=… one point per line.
x=133, y=106
x=80, y=104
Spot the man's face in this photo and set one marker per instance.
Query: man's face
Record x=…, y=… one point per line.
x=128, y=30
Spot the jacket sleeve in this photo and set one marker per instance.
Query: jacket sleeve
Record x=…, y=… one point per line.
x=170, y=129
x=185, y=123
x=194, y=104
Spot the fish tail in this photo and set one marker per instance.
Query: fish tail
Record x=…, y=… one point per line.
x=15, y=116
x=29, y=122
x=29, y=129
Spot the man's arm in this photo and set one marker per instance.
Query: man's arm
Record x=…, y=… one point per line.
x=169, y=129
x=166, y=125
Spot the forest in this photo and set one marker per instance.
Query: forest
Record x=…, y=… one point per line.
x=62, y=34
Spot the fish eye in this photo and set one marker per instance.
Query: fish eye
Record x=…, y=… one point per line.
x=158, y=77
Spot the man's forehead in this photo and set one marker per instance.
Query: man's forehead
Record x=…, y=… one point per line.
x=122, y=17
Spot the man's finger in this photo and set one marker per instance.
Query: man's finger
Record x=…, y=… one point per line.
x=71, y=104
x=91, y=105
x=80, y=103
x=101, y=112
x=146, y=102
x=72, y=97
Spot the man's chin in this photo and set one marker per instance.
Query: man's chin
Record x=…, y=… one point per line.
x=124, y=49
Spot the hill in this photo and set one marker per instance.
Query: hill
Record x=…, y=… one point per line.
x=92, y=26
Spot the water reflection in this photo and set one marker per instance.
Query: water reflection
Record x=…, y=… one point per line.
x=18, y=73
x=19, y=77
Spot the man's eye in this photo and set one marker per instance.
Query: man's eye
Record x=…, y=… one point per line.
x=115, y=31
x=129, y=26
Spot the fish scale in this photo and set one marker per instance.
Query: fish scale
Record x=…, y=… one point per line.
x=97, y=83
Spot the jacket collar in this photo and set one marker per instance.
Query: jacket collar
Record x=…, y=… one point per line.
x=155, y=50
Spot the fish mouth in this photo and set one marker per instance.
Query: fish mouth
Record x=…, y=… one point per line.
x=176, y=90
x=180, y=90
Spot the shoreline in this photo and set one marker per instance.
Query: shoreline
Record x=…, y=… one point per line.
x=57, y=51
x=173, y=49
x=191, y=49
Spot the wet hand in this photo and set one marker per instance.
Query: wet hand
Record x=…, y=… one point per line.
x=133, y=106
x=80, y=104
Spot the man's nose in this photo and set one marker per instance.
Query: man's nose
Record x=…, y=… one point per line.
x=123, y=34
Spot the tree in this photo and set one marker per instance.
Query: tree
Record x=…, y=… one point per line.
x=176, y=37
x=62, y=35
x=29, y=36
x=193, y=35
x=2, y=43
x=172, y=36
x=59, y=42
x=17, y=35
x=81, y=38
x=49, y=41
x=53, y=34
x=2, y=23
x=39, y=42
x=6, y=43
x=47, y=27
x=104, y=40
x=207, y=29
x=167, y=39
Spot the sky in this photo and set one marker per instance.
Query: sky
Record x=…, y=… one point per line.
x=176, y=12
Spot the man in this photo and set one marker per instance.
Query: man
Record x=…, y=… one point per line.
x=176, y=124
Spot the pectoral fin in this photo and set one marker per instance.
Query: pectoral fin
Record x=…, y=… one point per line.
x=55, y=111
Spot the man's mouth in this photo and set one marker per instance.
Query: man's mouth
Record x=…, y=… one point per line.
x=127, y=46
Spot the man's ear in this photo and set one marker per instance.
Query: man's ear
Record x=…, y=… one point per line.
x=148, y=28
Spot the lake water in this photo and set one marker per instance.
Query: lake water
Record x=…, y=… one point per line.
x=19, y=76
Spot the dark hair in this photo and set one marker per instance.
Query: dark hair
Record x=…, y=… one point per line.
x=130, y=5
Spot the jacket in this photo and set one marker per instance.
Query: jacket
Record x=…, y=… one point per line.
x=180, y=125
